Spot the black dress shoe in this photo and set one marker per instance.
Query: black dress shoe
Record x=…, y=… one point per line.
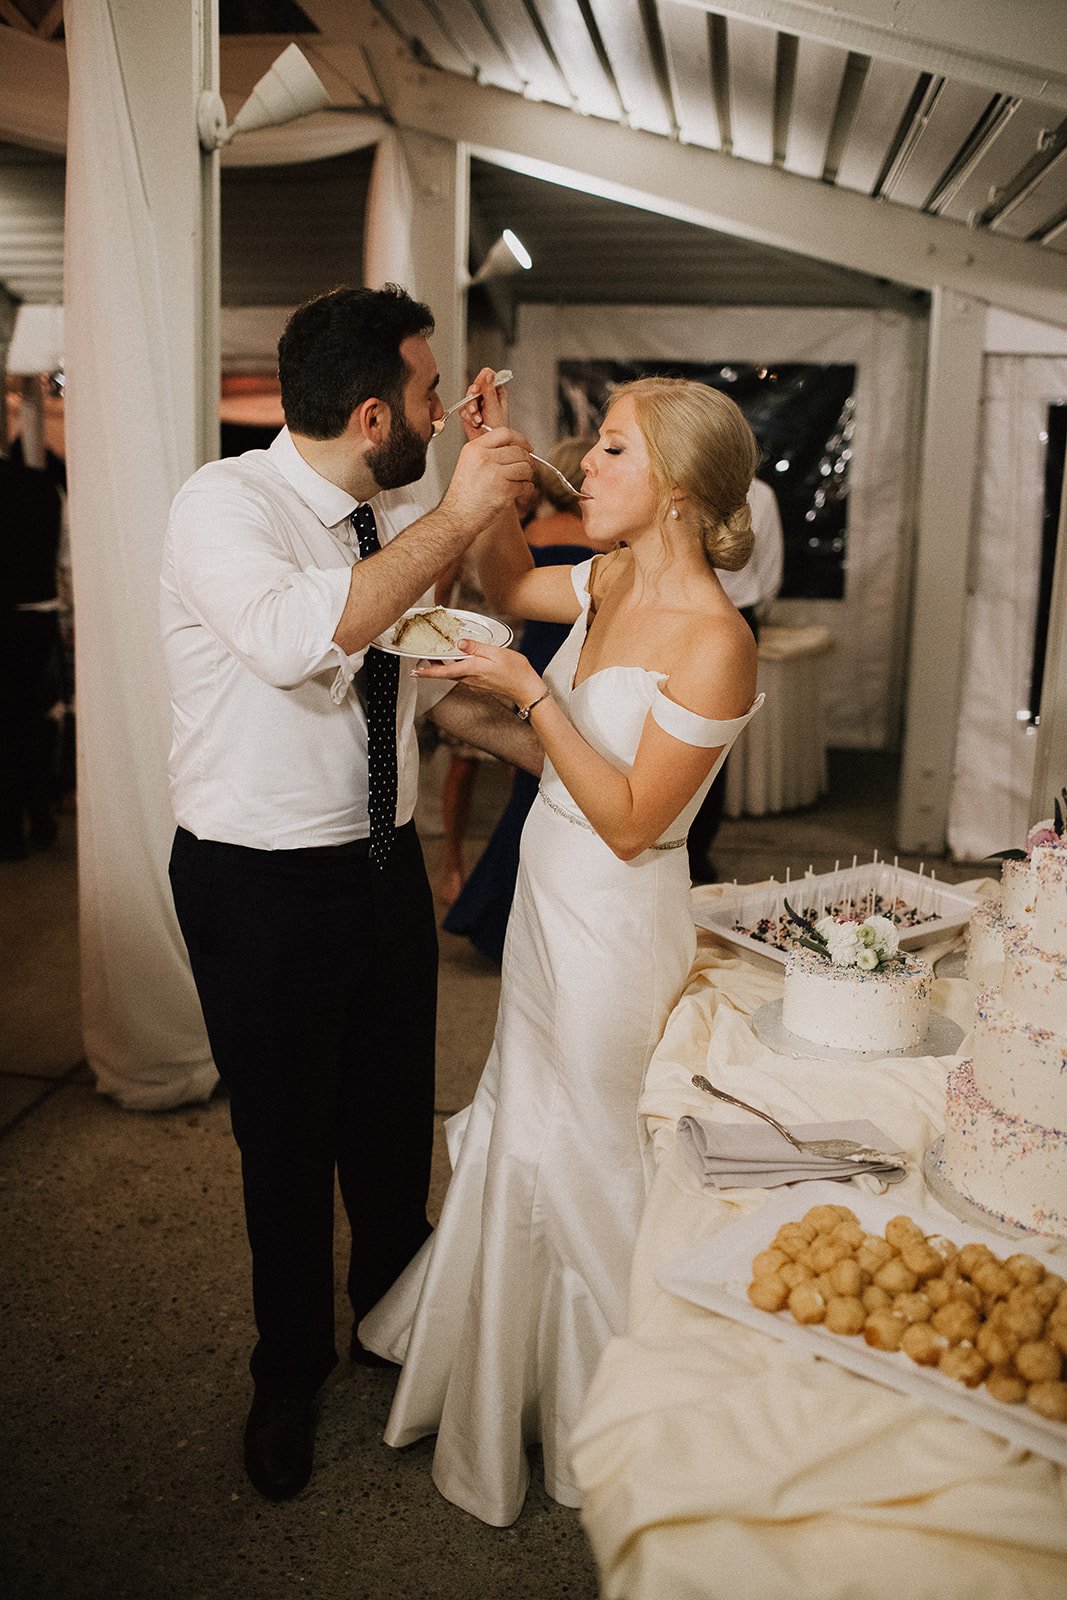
x=360, y=1356
x=279, y=1444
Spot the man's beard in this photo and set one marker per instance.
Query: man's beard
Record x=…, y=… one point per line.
x=402, y=457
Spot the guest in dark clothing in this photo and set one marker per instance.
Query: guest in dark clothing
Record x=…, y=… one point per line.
x=31, y=655
x=480, y=912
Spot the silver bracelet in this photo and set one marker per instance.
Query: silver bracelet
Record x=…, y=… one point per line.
x=523, y=712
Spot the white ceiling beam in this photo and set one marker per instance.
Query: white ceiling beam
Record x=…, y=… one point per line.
x=1022, y=49
x=731, y=196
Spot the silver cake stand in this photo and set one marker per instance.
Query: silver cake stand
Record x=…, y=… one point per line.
x=941, y=1038
x=967, y=1210
x=953, y=965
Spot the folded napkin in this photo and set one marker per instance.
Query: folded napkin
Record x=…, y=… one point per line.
x=742, y=1155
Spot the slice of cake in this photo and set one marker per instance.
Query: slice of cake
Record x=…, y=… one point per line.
x=428, y=633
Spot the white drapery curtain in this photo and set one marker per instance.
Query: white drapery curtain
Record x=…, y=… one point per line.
x=865, y=674
x=143, y=1031
x=994, y=763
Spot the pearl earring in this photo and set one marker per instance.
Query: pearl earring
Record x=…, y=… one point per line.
x=674, y=511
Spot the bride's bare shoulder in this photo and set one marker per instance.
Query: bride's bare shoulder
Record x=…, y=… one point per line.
x=714, y=670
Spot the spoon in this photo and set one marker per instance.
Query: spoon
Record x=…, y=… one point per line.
x=499, y=380
x=566, y=482
x=829, y=1149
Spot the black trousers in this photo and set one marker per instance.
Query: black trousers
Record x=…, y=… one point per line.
x=317, y=975
x=705, y=825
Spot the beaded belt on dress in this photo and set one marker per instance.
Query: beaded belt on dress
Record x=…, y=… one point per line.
x=580, y=822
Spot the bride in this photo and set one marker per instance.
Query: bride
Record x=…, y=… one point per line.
x=501, y=1318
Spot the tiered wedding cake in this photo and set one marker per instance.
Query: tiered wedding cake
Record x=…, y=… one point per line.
x=1005, y=1144
x=850, y=987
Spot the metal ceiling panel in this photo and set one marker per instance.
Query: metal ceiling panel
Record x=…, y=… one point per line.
x=932, y=145
x=575, y=51
x=31, y=226
x=524, y=45
x=474, y=39
x=622, y=255
x=886, y=94
x=687, y=40
x=1057, y=240
x=622, y=31
x=414, y=20
x=820, y=69
x=753, y=57
x=1014, y=142
x=1038, y=206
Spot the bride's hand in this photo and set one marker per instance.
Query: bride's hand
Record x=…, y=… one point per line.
x=487, y=407
x=489, y=666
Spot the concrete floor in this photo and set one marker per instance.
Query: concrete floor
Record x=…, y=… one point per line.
x=124, y=1313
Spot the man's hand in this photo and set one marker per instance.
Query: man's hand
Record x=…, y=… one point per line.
x=490, y=470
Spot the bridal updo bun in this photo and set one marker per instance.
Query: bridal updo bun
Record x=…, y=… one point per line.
x=698, y=441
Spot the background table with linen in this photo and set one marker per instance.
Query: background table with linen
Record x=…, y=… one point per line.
x=720, y=1463
x=780, y=764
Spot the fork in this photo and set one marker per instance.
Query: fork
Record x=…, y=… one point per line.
x=828, y=1149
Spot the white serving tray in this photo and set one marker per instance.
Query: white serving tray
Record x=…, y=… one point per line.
x=945, y=909
x=717, y=1272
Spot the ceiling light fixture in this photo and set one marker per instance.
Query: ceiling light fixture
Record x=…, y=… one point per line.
x=290, y=89
x=508, y=254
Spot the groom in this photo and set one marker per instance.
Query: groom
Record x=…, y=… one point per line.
x=297, y=874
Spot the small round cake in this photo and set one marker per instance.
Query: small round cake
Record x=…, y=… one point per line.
x=884, y=1012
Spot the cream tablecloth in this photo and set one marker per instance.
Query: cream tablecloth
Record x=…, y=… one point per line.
x=719, y=1463
x=780, y=763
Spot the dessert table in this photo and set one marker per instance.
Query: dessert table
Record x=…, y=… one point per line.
x=780, y=763
x=718, y=1462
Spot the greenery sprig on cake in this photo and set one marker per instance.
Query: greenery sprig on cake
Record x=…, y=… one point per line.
x=871, y=945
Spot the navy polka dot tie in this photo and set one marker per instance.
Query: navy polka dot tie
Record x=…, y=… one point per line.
x=381, y=676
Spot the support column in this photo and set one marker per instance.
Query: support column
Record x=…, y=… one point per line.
x=946, y=495
x=416, y=234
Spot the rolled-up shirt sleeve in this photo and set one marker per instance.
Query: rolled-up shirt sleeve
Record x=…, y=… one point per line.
x=236, y=577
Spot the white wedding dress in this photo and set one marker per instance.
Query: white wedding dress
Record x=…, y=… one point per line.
x=501, y=1318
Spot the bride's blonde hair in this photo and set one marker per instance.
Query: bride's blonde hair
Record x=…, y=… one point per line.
x=699, y=441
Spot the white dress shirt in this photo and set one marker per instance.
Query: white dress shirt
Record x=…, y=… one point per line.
x=270, y=734
x=760, y=579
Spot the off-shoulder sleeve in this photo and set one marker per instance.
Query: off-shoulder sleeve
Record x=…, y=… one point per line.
x=691, y=728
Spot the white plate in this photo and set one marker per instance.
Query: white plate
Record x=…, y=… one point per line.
x=941, y=1038
x=944, y=909
x=483, y=630
x=717, y=1272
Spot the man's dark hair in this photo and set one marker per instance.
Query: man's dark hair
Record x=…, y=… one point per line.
x=342, y=348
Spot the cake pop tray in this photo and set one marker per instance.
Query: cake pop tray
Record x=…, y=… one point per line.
x=753, y=915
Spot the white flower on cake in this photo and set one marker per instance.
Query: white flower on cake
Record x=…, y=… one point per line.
x=866, y=945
